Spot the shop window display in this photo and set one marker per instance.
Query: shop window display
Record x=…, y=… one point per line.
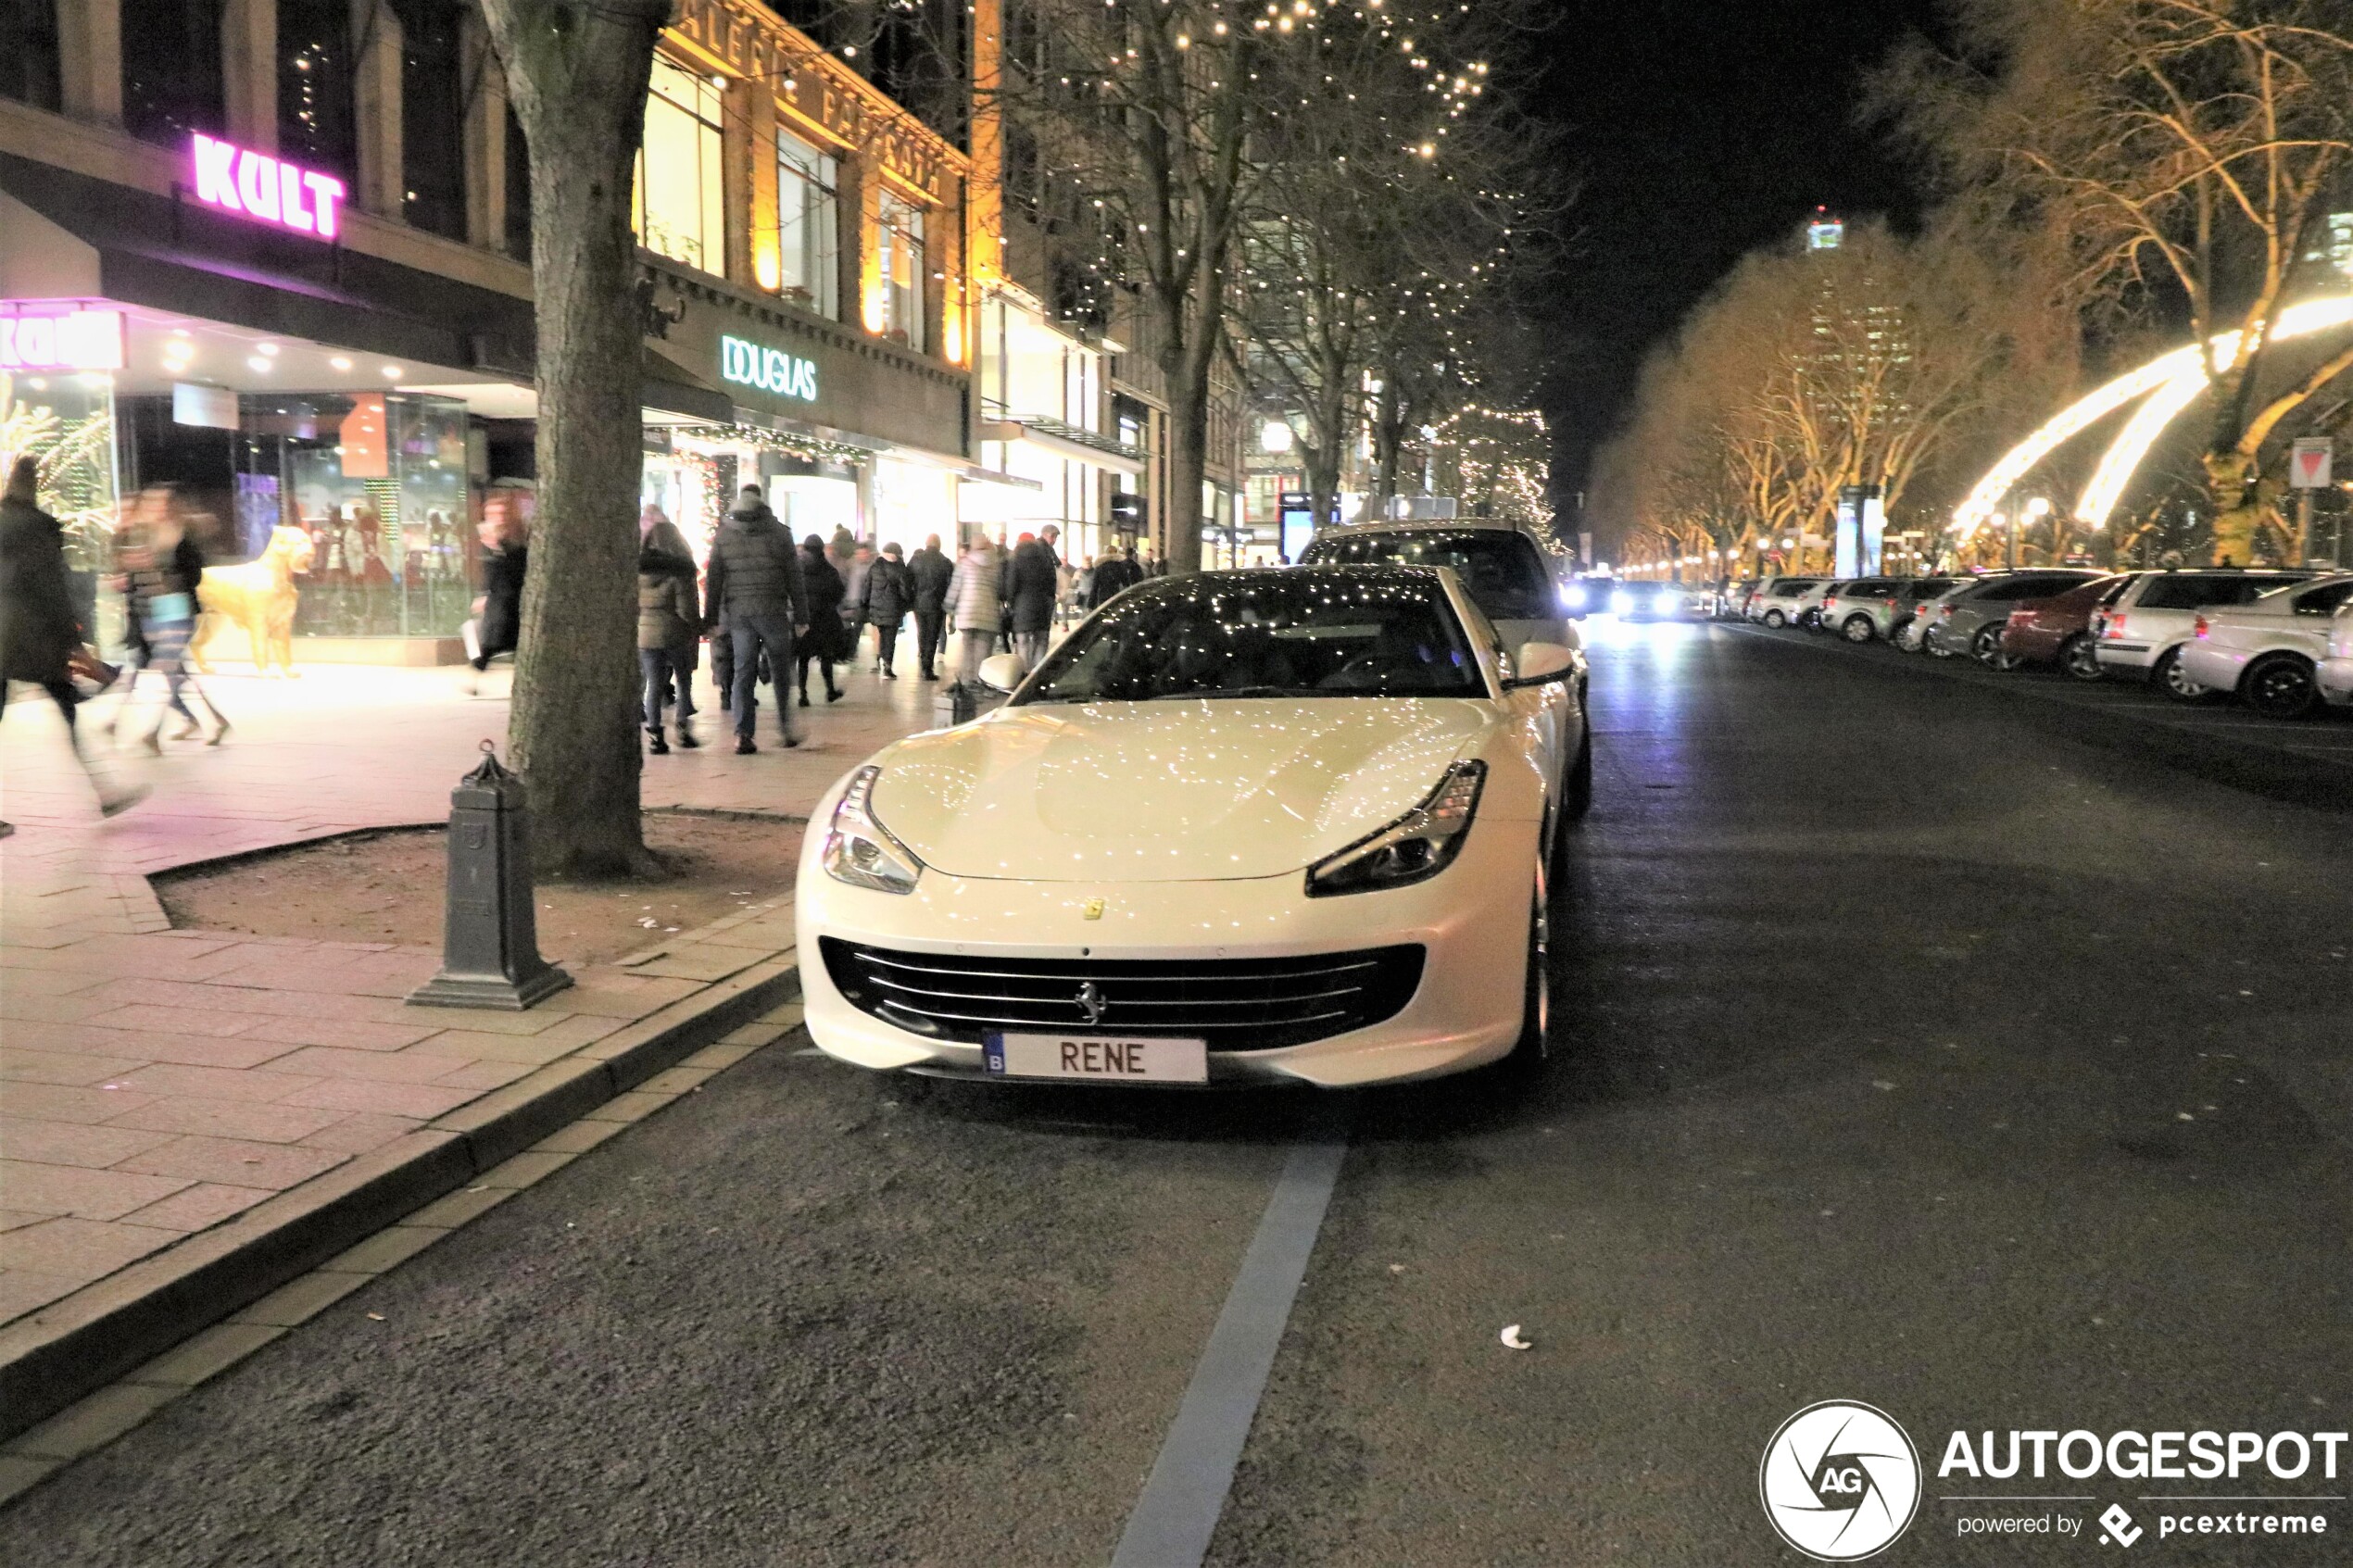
x=66, y=424
x=378, y=482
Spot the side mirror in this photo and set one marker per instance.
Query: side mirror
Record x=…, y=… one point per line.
x=1542, y=663
x=1003, y=671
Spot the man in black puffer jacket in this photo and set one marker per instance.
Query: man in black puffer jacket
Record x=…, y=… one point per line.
x=929, y=570
x=756, y=590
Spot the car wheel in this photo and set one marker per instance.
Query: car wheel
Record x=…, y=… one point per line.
x=2169, y=677
x=1932, y=643
x=2280, y=686
x=1536, y=989
x=1576, y=793
x=2080, y=658
x=1776, y=620
x=1858, y=629
x=1985, y=647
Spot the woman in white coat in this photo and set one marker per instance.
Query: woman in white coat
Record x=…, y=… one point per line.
x=976, y=605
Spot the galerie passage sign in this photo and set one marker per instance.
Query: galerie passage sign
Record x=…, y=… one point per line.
x=269, y=190
x=770, y=370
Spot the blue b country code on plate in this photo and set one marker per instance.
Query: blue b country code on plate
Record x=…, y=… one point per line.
x=1147, y=1060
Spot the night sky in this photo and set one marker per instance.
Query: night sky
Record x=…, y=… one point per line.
x=1703, y=129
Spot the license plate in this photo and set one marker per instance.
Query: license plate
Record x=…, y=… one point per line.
x=1130, y=1062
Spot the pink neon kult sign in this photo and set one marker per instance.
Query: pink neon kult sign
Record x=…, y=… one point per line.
x=266, y=189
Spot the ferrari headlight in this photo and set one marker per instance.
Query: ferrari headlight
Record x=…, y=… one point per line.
x=860, y=850
x=1413, y=848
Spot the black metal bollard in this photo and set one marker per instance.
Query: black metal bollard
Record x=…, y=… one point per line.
x=490, y=943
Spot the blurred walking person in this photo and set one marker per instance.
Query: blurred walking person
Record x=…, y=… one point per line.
x=756, y=586
x=976, y=605
x=682, y=676
x=1031, y=586
x=889, y=595
x=40, y=634
x=928, y=571
x=668, y=626
x=854, y=600
x=160, y=567
x=506, y=560
x=826, y=643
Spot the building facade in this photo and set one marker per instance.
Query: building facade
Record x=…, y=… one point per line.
x=276, y=253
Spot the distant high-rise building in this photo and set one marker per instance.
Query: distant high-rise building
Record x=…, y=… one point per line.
x=1825, y=232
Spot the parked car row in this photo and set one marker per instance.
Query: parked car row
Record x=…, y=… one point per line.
x=2280, y=641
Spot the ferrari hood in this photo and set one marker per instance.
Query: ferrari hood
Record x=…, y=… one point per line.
x=1172, y=791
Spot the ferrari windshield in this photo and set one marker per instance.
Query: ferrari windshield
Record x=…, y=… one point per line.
x=1302, y=632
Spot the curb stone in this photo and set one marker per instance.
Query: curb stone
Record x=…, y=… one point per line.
x=84, y=1343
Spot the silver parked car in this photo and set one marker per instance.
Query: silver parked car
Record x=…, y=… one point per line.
x=1863, y=609
x=2142, y=633
x=1776, y=600
x=2336, y=663
x=1908, y=615
x=1969, y=618
x=2268, y=652
x=1808, y=612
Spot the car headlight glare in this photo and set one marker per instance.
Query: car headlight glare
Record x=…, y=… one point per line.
x=1413, y=848
x=860, y=850
x=1621, y=601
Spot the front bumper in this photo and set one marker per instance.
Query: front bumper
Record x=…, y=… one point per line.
x=1472, y=918
x=2335, y=677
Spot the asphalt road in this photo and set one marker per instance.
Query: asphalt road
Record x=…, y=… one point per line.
x=1911, y=1053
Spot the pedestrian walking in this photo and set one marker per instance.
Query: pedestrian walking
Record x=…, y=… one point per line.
x=160, y=567
x=889, y=595
x=681, y=673
x=976, y=602
x=40, y=636
x=929, y=571
x=1030, y=589
x=668, y=624
x=506, y=560
x=1116, y=574
x=756, y=584
x=853, y=598
x=827, y=642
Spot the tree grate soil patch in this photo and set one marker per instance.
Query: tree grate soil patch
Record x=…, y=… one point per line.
x=388, y=886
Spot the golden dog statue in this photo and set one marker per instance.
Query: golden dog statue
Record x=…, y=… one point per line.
x=258, y=595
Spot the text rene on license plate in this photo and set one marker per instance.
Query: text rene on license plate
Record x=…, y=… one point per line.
x=1133, y=1060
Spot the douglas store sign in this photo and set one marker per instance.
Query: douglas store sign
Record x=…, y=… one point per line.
x=770, y=370
x=66, y=336
x=268, y=190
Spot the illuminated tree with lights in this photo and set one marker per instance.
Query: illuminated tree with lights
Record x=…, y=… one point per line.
x=1383, y=218
x=1885, y=362
x=2188, y=151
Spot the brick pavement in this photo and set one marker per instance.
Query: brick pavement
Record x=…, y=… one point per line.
x=157, y=1083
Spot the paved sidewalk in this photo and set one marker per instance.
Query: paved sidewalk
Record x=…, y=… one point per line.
x=154, y=1085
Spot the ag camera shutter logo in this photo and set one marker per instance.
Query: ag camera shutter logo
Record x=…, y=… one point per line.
x=1840, y=1481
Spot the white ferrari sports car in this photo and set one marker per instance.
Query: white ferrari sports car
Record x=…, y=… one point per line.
x=1270, y=826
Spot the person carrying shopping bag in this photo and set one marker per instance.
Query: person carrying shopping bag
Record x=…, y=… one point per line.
x=40, y=636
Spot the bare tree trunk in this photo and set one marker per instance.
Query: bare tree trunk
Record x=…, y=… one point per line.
x=1197, y=321
x=577, y=75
